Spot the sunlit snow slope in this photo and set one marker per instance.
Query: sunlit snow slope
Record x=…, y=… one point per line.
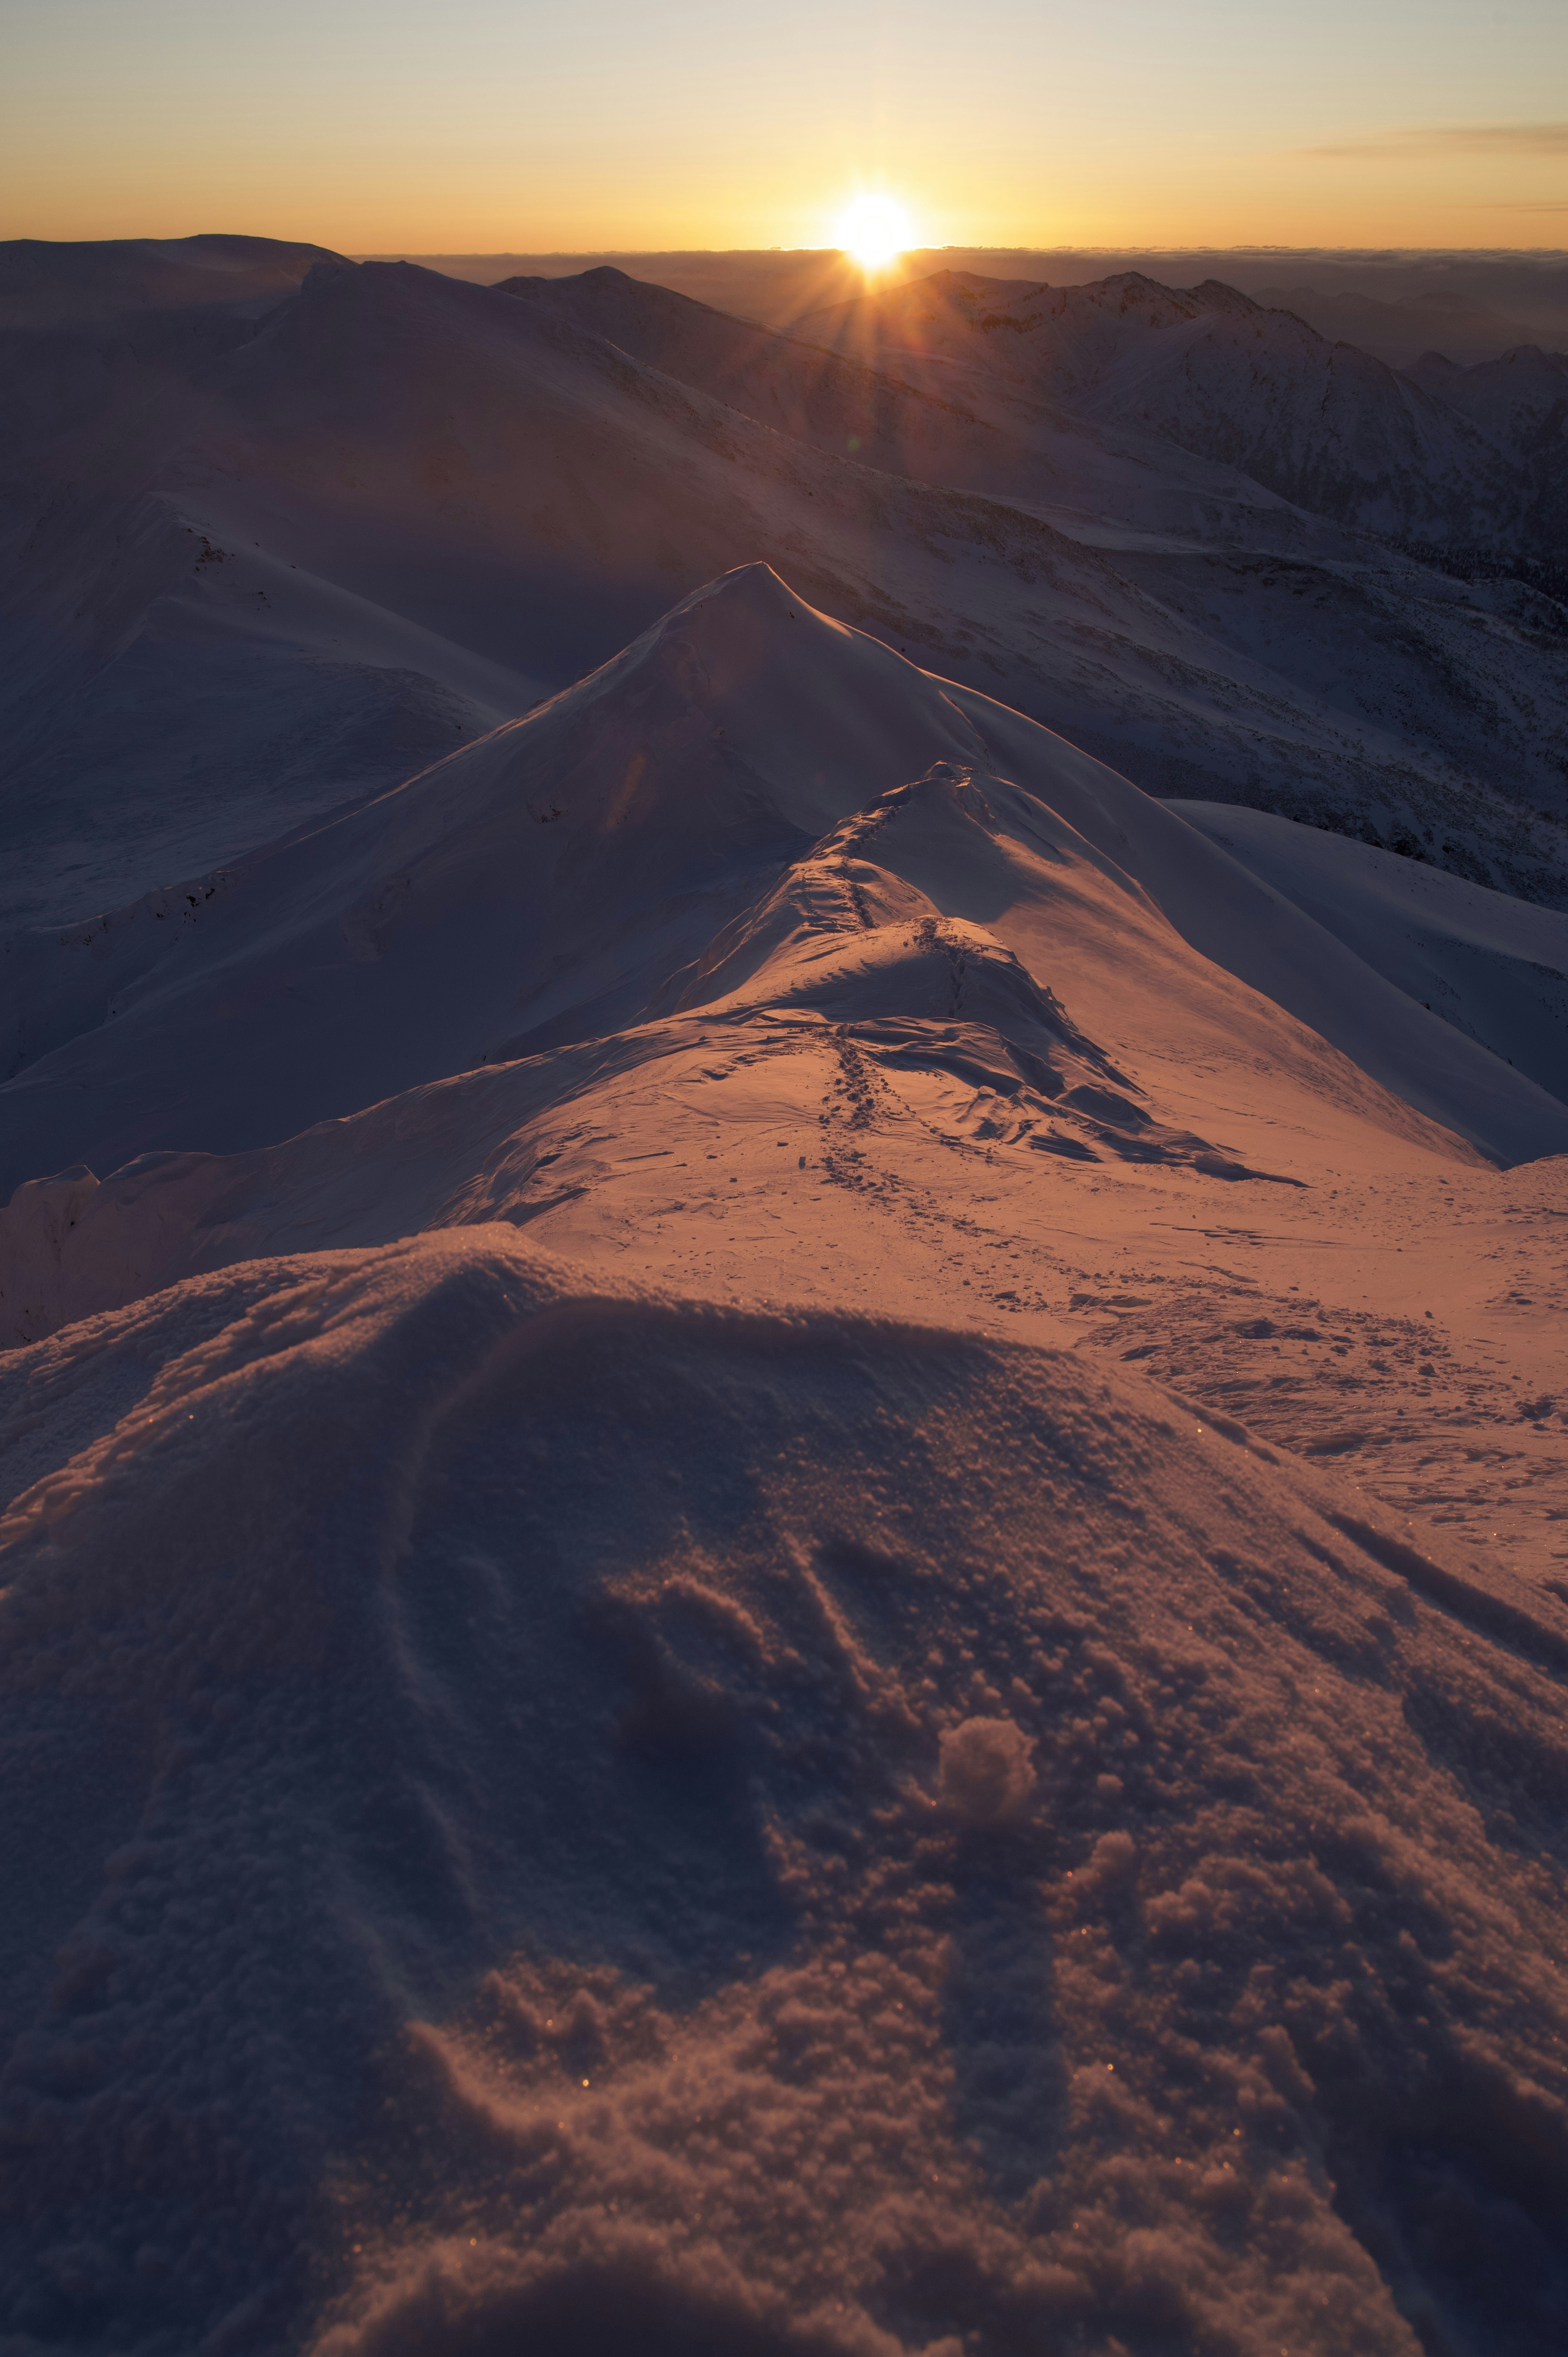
x=756, y=825
x=1495, y=969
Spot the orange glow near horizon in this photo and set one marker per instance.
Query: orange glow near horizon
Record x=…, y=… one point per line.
x=626, y=131
x=432, y=208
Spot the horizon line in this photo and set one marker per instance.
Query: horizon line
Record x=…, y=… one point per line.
x=645, y=252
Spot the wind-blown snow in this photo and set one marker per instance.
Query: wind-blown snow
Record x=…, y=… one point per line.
x=827, y=1836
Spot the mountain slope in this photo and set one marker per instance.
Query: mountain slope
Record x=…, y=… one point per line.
x=798, y=390
x=1495, y=969
x=1399, y=330
x=754, y=835
x=1521, y=399
x=50, y=286
x=1322, y=424
x=461, y=464
x=168, y=702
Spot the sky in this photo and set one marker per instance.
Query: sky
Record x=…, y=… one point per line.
x=483, y=125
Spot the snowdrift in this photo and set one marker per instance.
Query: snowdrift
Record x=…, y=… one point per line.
x=549, y=1802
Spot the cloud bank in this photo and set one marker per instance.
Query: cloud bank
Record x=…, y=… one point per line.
x=1458, y=139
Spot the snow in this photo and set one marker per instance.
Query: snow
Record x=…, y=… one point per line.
x=48, y=284
x=1495, y=969
x=782, y=1486
x=985, y=1776
x=1516, y=397
x=1321, y=423
x=508, y=489
x=663, y=1906
x=617, y=831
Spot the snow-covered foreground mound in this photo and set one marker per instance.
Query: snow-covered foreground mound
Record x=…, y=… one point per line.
x=545, y=1813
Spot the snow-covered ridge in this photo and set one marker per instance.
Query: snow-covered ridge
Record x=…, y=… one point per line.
x=44, y=284
x=753, y=818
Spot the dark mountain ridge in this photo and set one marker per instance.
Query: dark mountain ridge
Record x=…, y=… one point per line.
x=1322, y=424
x=43, y=284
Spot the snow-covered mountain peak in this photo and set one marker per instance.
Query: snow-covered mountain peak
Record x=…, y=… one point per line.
x=574, y=874
x=1216, y=296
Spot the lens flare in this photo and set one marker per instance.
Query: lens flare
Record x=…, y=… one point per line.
x=873, y=230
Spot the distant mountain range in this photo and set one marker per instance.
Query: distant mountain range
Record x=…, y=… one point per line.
x=1462, y=329
x=280, y=529
x=1474, y=304
x=1322, y=424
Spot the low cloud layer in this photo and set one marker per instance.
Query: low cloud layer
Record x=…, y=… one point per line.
x=1459, y=139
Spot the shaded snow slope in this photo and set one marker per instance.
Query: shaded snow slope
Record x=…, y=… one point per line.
x=794, y=387
x=168, y=703
x=572, y=874
x=1495, y=970
x=1521, y=397
x=847, y=1836
x=1323, y=425
x=505, y=498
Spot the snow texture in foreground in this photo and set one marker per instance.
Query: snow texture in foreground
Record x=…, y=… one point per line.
x=550, y=1805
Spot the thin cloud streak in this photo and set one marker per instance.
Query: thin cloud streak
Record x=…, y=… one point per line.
x=1459, y=139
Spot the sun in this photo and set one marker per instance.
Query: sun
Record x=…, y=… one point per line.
x=873, y=230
